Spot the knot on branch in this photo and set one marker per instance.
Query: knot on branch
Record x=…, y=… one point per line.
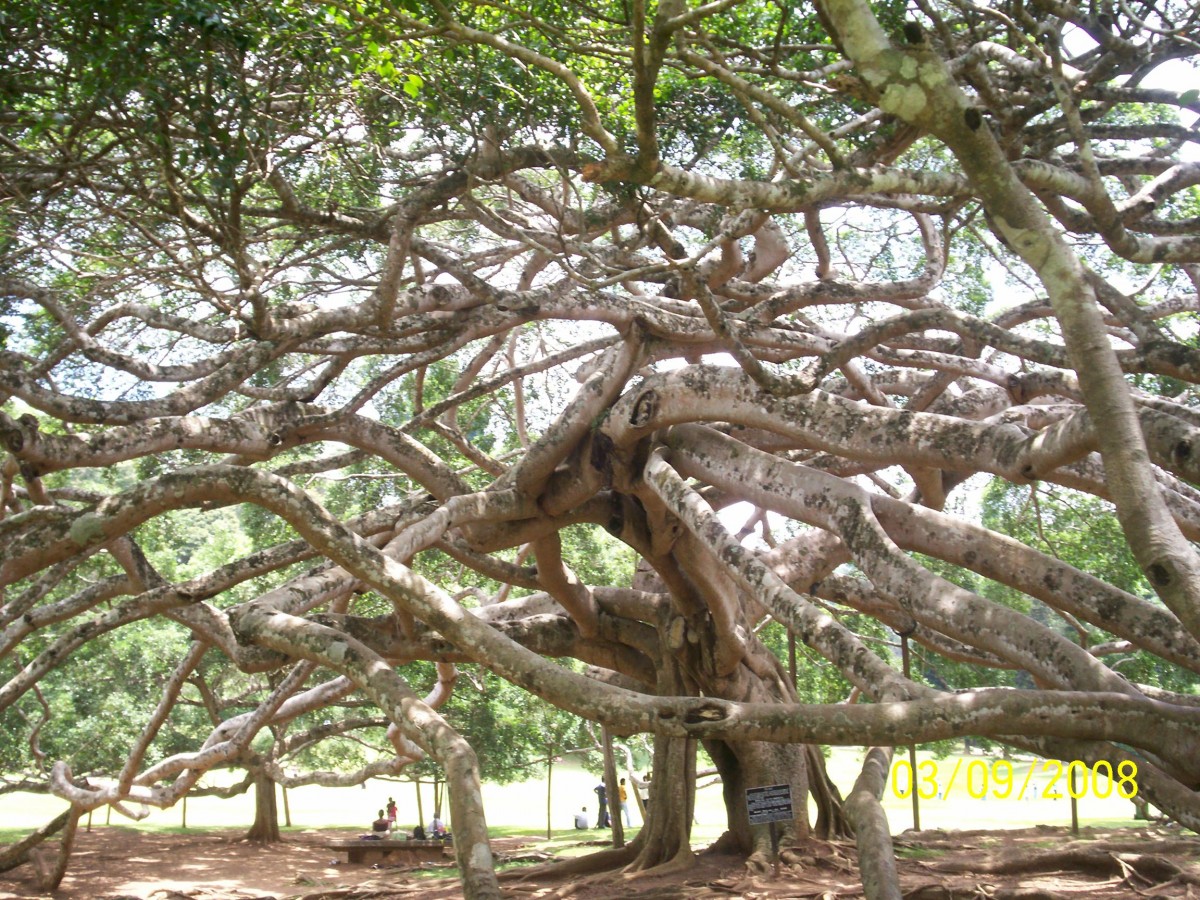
x=1160, y=574
x=707, y=712
x=644, y=409
x=600, y=454
x=1018, y=388
x=511, y=301
x=616, y=517
x=19, y=433
x=613, y=169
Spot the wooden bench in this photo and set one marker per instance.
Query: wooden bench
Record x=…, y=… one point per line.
x=359, y=851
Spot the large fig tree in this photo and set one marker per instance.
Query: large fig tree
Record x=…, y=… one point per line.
x=340, y=336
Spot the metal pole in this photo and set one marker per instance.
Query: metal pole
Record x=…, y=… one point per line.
x=912, y=750
x=792, y=657
x=1072, y=791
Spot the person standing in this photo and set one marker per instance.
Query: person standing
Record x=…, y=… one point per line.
x=602, y=820
x=391, y=812
x=624, y=802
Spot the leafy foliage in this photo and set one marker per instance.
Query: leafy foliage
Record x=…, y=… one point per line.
x=342, y=342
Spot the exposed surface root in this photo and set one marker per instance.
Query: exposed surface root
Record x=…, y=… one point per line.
x=19, y=853
x=603, y=861
x=759, y=863
x=1099, y=862
x=1032, y=864
x=681, y=862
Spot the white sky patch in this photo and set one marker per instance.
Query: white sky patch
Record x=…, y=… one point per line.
x=735, y=517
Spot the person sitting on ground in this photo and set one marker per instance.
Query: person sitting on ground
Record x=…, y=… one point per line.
x=437, y=828
x=581, y=819
x=380, y=827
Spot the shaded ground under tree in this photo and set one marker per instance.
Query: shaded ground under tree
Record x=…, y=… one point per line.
x=684, y=366
x=1043, y=863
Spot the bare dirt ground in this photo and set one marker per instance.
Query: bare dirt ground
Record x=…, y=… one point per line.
x=1031, y=864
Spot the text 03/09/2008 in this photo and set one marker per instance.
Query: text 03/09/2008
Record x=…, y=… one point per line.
x=1050, y=779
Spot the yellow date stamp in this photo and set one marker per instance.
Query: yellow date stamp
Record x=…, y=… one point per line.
x=1050, y=779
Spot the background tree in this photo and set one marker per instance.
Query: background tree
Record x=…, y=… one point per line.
x=442, y=303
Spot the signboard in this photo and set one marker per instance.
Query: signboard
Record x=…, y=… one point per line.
x=772, y=803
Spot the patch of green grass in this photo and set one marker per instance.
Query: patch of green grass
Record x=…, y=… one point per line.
x=1119, y=824
x=519, y=809
x=518, y=864
x=919, y=852
x=433, y=872
x=503, y=831
x=572, y=842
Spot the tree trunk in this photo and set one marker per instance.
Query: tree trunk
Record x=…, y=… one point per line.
x=472, y=850
x=832, y=823
x=748, y=764
x=876, y=855
x=613, y=791
x=17, y=854
x=665, y=838
x=549, y=782
x=50, y=874
x=265, y=829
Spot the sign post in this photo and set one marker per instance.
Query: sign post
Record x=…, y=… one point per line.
x=770, y=804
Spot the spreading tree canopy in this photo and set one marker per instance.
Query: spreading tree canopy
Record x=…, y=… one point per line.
x=605, y=347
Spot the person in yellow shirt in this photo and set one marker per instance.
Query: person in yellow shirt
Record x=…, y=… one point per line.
x=624, y=802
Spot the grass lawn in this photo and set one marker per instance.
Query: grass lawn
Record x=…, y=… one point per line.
x=1025, y=805
x=521, y=808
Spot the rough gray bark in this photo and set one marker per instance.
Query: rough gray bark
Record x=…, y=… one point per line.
x=963, y=252
x=265, y=827
x=876, y=858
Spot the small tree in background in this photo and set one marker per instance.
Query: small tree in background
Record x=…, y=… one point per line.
x=577, y=343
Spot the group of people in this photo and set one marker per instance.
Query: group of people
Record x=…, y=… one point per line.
x=385, y=824
x=604, y=820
